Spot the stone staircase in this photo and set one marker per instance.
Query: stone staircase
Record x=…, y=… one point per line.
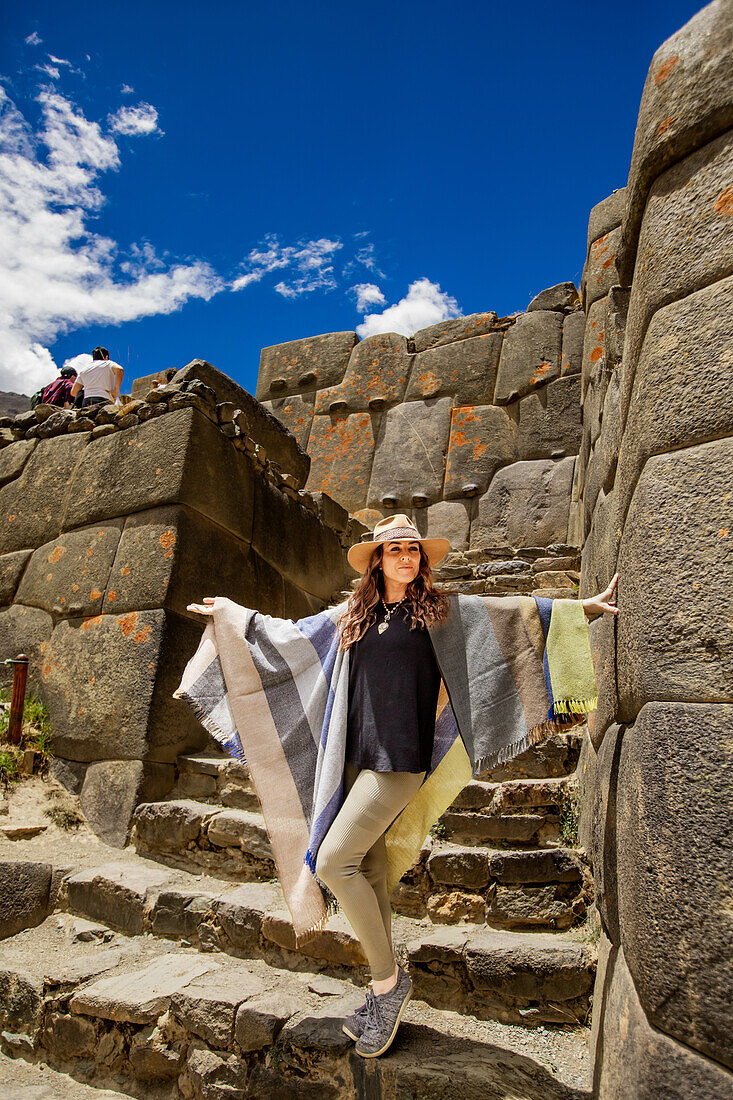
x=178, y=974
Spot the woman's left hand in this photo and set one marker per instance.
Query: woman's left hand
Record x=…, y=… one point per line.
x=604, y=602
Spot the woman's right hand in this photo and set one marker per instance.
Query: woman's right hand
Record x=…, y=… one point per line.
x=205, y=608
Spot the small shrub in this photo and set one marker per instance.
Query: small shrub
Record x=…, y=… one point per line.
x=66, y=817
x=569, y=811
x=35, y=732
x=438, y=830
x=8, y=766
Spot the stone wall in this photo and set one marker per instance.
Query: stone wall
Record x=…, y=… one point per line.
x=471, y=426
x=110, y=524
x=655, y=485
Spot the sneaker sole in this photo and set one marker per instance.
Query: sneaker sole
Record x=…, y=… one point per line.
x=388, y=1044
x=351, y=1035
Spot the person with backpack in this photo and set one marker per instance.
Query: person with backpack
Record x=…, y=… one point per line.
x=101, y=381
x=57, y=392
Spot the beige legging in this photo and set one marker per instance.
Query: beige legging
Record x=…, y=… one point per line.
x=352, y=858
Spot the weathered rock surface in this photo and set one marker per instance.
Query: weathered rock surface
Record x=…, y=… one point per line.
x=115, y=893
x=11, y=570
x=573, y=333
x=342, y=450
x=637, y=1060
x=409, y=459
x=446, y=520
x=140, y=998
x=316, y=361
x=69, y=575
x=24, y=895
x=32, y=505
x=674, y=637
x=23, y=630
x=466, y=369
x=296, y=414
x=483, y=438
x=376, y=375
x=687, y=100
x=550, y=421
x=601, y=271
x=14, y=458
x=527, y=503
x=559, y=297
x=673, y=767
x=606, y=215
x=448, y=332
x=530, y=355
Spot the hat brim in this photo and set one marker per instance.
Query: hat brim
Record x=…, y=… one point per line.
x=359, y=555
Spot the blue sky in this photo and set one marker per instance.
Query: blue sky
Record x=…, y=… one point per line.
x=226, y=176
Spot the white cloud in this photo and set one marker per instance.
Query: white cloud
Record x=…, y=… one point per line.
x=367, y=294
x=56, y=273
x=136, y=121
x=424, y=304
x=311, y=263
x=127, y=89
x=50, y=70
x=33, y=39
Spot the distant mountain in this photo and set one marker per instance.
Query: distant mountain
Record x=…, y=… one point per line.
x=13, y=404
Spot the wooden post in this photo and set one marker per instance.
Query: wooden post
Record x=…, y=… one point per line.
x=20, y=678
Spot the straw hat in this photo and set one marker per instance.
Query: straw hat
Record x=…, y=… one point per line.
x=393, y=529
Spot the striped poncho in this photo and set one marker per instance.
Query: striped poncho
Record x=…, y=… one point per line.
x=275, y=692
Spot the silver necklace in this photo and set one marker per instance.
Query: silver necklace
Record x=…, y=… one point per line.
x=388, y=613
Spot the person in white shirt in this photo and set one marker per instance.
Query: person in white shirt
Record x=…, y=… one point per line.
x=101, y=381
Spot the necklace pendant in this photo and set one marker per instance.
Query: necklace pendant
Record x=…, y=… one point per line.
x=382, y=627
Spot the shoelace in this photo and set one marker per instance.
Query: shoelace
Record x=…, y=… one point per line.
x=374, y=1013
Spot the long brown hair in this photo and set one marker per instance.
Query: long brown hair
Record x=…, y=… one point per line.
x=425, y=604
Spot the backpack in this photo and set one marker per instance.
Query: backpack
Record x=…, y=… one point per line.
x=36, y=397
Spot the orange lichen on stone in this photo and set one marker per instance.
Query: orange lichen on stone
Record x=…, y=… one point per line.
x=479, y=449
x=111, y=596
x=596, y=354
x=95, y=594
x=665, y=69
x=92, y=621
x=596, y=250
x=167, y=540
x=664, y=125
x=540, y=372
x=142, y=635
x=75, y=588
x=56, y=555
x=724, y=202
x=11, y=517
x=128, y=623
x=723, y=532
x=125, y=571
x=609, y=261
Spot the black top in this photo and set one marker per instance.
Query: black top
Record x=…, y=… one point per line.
x=394, y=682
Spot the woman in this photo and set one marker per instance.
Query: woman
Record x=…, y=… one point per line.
x=397, y=765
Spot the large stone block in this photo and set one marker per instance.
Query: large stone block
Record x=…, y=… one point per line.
x=14, y=458
x=466, y=369
x=687, y=100
x=258, y=421
x=550, y=421
x=606, y=215
x=635, y=1060
x=299, y=365
x=32, y=505
x=24, y=894
x=295, y=413
x=530, y=355
x=685, y=243
x=295, y=543
x=11, y=570
x=527, y=504
x=171, y=556
x=673, y=835
x=560, y=297
x=601, y=270
x=674, y=633
x=602, y=544
x=409, y=460
x=376, y=376
x=342, y=450
x=69, y=575
x=110, y=792
x=445, y=520
x=603, y=846
x=573, y=334
x=23, y=630
x=178, y=458
x=694, y=401
x=602, y=636
x=483, y=438
x=601, y=467
x=594, y=346
x=108, y=682
x=450, y=331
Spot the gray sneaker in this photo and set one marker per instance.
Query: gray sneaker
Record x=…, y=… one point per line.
x=353, y=1025
x=383, y=1015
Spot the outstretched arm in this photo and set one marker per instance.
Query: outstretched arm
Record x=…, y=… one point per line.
x=604, y=602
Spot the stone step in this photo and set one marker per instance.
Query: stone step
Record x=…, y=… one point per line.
x=167, y=1020
x=514, y=977
x=516, y=811
x=541, y=889
x=449, y=883
x=217, y=778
